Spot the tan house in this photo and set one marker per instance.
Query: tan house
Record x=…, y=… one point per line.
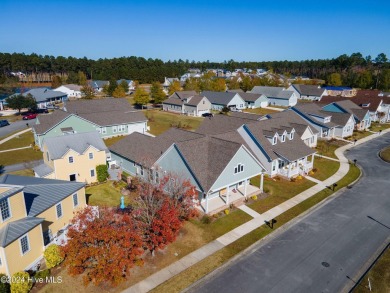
x=72, y=157
x=34, y=212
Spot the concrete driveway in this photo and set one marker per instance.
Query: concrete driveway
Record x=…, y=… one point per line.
x=15, y=126
x=325, y=250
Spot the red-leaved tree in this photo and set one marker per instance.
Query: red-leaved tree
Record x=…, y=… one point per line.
x=103, y=246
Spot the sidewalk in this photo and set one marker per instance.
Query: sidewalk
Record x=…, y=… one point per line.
x=22, y=148
x=14, y=135
x=187, y=261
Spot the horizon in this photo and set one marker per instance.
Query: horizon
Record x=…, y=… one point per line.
x=216, y=31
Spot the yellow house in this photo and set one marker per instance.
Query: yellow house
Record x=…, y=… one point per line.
x=34, y=212
x=72, y=157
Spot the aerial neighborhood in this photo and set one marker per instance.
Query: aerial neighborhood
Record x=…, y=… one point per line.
x=220, y=144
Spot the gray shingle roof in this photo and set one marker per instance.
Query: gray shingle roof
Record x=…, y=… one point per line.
x=13, y=230
x=219, y=98
x=49, y=120
x=42, y=94
x=272, y=92
x=289, y=117
x=43, y=170
x=173, y=101
x=221, y=123
x=194, y=101
x=74, y=87
x=253, y=97
x=309, y=90
x=245, y=115
x=98, y=105
x=40, y=193
x=79, y=142
x=114, y=117
x=314, y=109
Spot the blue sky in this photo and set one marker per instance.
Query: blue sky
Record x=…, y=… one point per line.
x=196, y=30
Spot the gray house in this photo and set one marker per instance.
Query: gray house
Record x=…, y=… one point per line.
x=187, y=102
x=277, y=96
x=253, y=100
x=219, y=100
x=308, y=92
x=220, y=177
x=46, y=97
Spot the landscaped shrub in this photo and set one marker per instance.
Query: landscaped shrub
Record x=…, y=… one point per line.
x=53, y=256
x=266, y=190
x=227, y=211
x=205, y=219
x=254, y=197
x=4, y=286
x=21, y=282
x=102, y=172
x=42, y=274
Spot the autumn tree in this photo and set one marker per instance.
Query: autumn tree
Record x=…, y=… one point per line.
x=56, y=81
x=141, y=97
x=174, y=87
x=103, y=247
x=112, y=85
x=19, y=102
x=87, y=92
x=82, y=78
x=119, y=92
x=192, y=84
x=335, y=79
x=124, y=85
x=234, y=84
x=156, y=92
x=218, y=85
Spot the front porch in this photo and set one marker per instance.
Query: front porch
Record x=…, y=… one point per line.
x=298, y=167
x=235, y=196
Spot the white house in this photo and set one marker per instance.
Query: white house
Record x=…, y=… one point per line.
x=308, y=92
x=72, y=90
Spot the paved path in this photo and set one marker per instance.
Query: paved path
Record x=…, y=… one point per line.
x=249, y=211
x=15, y=126
x=10, y=150
x=276, y=109
x=187, y=261
x=314, y=180
x=325, y=157
x=21, y=166
x=14, y=135
x=323, y=251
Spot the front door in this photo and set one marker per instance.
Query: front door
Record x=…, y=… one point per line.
x=72, y=177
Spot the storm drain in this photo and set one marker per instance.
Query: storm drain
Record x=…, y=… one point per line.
x=325, y=264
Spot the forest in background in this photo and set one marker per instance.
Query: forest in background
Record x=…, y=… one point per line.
x=355, y=70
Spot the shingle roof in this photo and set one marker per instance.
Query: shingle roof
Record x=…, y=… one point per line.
x=98, y=83
x=289, y=117
x=42, y=94
x=79, y=142
x=208, y=157
x=98, y=105
x=346, y=105
x=43, y=170
x=240, y=91
x=40, y=193
x=309, y=109
x=219, y=98
x=195, y=100
x=221, y=123
x=173, y=101
x=373, y=102
x=114, y=117
x=309, y=90
x=74, y=87
x=245, y=115
x=49, y=120
x=252, y=97
x=272, y=92
x=15, y=229
x=184, y=94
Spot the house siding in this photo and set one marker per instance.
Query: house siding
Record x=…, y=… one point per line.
x=278, y=102
x=17, y=207
x=126, y=164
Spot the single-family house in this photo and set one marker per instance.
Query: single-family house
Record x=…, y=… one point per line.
x=168, y=81
x=277, y=96
x=98, y=85
x=220, y=170
x=129, y=82
x=73, y=157
x=334, y=104
x=46, y=97
x=308, y=92
x=72, y=90
x=35, y=212
x=274, y=144
x=254, y=100
x=219, y=100
x=187, y=102
x=109, y=117
x=340, y=91
x=372, y=103
x=328, y=124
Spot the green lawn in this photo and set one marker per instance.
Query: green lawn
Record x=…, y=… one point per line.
x=324, y=168
x=260, y=111
x=105, y=194
x=385, y=154
x=328, y=147
x=20, y=156
x=375, y=126
x=359, y=135
x=161, y=121
x=204, y=267
x=379, y=276
x=279, y=190
x=112, y=140
x=22, y=140
x=24, y=172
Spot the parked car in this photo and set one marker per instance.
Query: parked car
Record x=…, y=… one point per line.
x=52, y=107
x=29, y=116
x=4, y=123
x=39, y=111
x=207, y=115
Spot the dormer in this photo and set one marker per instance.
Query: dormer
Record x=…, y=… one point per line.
x=275, y=139
x=283, y=136
x=327, y=119
x=291, y=134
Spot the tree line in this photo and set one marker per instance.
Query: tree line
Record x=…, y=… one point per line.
x=355, y=69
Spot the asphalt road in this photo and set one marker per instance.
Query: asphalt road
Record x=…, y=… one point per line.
x=14, y=126
x=324, y=250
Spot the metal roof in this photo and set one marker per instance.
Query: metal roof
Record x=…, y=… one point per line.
x=13, y=230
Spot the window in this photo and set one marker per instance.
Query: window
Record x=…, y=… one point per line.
x=104, y=130
x=24, y=244
x=90, y=156
x=274, y=140
x=239, y=169
x=283, y=138
x=70, y=160
x=98, y=129
x=75, y=200
x=92, y=172
x=142, y=171
x=47, y=156
x=5, y=211
x=1, y=263
x=59, y=210
x=121, y=128
x=114, y=129
x=157, y=177
x=291, y=135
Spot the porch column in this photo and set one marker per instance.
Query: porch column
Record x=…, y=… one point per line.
x=289, y=170
x=261, y=182
x=207, y=203
x=312, y=158
x=227, y=195
x=245, y=187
